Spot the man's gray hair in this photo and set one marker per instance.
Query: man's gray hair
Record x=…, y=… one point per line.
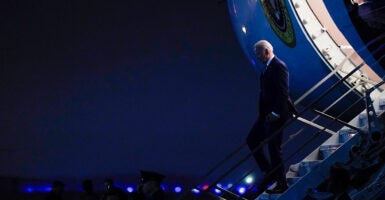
x=263, y=44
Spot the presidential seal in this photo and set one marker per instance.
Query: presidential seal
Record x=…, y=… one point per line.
x=279, y=19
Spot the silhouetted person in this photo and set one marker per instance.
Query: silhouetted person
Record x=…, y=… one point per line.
x=112, y=192
x=275, y=108
x=57, y=189
x=369, y=16
x=339, y=180
x=150, y=186
x=372, y=12
x=88, y=191
x=336, y=186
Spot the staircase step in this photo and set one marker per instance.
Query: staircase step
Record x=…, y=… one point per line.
x=346, y=134
x=293, y=170
x=300, y=169
x=326, y=150
x=292, y=180
x=267, y=196
x=306, y=166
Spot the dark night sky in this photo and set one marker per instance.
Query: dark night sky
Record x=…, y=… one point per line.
x=105, y=88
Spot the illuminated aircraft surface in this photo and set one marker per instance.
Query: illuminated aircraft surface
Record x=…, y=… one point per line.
x=314, y=38
x=335, y=52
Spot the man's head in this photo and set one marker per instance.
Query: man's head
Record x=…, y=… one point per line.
x=263, y=50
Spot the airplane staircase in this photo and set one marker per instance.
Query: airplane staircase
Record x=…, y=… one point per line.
x=350, y=164
x=357, y=152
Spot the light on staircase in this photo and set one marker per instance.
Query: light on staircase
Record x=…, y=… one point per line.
x=230, y=185
x=195, y=191
x=241, y=190
x=217, y=191
x=249, y=179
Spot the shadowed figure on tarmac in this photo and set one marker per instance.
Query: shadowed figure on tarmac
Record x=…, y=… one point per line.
x=88, y=191
x=334, y=188
x=150, y=186
x=112, y=192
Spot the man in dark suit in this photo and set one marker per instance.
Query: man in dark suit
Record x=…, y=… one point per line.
x=274, y=110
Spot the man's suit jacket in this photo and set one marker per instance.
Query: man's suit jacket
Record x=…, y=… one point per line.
x=274, y=90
